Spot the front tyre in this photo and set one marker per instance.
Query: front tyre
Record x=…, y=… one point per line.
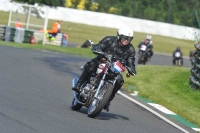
x=75, y=105
x=140, y=59
x=99, y=103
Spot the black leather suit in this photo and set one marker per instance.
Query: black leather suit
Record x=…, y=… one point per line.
x=110, y=45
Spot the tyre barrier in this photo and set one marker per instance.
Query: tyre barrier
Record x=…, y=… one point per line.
x=21, y=35
x=194, y=79
x=2, y=32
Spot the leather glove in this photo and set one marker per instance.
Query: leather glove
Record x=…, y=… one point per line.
x=133, y=72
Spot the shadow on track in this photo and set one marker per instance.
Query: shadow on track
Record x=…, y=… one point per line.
x=104, y=115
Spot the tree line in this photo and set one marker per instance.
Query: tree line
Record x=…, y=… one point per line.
x=180, y=12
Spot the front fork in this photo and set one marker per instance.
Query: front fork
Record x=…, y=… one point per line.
x=99, y=87
x=102, y=82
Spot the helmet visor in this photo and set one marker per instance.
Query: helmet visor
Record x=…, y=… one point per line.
x=148, y=41
x=128, y=38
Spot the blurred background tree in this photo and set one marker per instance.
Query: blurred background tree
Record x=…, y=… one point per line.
x=51, y=3
x=180, y=12
x=170, y=11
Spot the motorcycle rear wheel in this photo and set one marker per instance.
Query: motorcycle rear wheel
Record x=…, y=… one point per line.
x=99, y=103
x=75, y=105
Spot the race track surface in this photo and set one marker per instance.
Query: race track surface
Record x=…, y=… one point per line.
x=35, y=97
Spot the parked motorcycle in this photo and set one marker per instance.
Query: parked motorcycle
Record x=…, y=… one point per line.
x=96, y=91
x=143, y=55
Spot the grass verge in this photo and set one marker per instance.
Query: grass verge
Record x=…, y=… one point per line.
x=168, y=86
x=75, y=51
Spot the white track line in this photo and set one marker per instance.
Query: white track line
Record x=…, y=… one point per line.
x=152, y=111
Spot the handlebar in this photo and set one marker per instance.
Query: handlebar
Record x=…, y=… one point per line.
x=109, y=57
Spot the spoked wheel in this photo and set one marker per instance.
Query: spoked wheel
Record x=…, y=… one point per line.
x=75, y=105
x=98, y=103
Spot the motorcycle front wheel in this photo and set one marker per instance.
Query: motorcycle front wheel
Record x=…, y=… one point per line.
x=98, y=103
x=141, y=58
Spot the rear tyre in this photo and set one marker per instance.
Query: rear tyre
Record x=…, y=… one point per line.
x=75, y=105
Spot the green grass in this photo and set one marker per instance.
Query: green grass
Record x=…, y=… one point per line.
x=79, y=33
x=168, y=86
x=75, y=51
x=165, y=85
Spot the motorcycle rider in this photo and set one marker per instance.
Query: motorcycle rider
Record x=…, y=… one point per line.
x=149, y=43
x=177, y=51
x=115, y=45
x=51, y=34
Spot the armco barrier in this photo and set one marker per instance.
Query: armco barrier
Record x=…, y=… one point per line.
x=11, y=34
x=195, y=70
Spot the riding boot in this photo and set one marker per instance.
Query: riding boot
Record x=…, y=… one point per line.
x=85, y=74
x=106, y=107
x=118, y=86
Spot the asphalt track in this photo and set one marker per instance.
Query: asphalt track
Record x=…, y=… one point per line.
x=35, y=95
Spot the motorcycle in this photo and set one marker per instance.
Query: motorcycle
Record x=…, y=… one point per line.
x=143, y=55
x=95, y=92
x=178, y=59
